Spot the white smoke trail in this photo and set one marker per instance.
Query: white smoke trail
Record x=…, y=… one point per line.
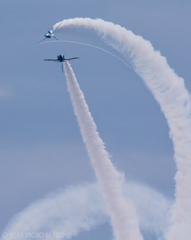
x=64, y=213
x=169, y=90
x=122, y=213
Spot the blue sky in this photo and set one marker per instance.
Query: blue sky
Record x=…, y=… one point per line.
x=41, y=146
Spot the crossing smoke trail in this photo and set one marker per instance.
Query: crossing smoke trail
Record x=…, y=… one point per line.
x=123, y=216
x=169, y=90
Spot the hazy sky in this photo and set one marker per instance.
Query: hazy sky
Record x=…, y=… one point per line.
x=41, y=146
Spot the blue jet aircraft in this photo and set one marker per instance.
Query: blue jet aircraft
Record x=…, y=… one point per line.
x=50, y=34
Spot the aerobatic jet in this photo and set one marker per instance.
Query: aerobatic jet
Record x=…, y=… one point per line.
x=50, y=34
x=61, y=58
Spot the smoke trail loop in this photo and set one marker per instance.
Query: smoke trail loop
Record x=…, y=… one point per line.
x=170, y=91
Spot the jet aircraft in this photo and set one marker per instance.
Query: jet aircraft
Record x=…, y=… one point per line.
x=61, y=58
x=50, y=34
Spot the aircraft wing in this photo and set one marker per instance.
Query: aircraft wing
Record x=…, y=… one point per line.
x=54, y=60
x=41, y=40
x=71, y=58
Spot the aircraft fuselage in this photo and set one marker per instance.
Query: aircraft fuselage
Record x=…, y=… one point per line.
x=61, y=58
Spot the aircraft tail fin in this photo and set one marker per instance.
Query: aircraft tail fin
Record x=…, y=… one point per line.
x=62, y=67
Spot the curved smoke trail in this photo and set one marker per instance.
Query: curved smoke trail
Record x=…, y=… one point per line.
x=89, y=45
x=169, y=90
x=68, y=215
x=123, y=216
